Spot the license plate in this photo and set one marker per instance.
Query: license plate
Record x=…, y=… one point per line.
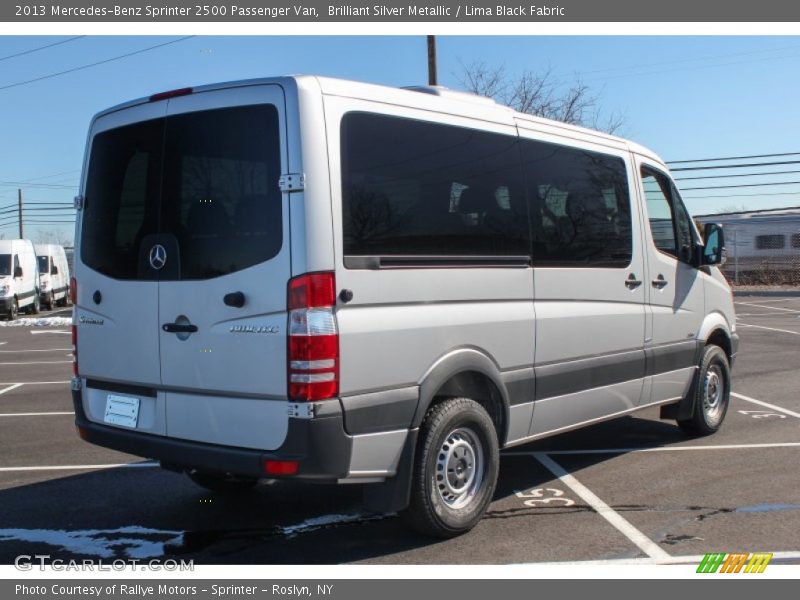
x=122, y=410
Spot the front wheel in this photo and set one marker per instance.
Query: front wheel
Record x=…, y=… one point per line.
x=221, y=482
x=455, y=469
x=36, y=305
x=13, y=311
x=711, y=394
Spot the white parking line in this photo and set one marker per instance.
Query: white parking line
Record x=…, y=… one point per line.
x=765, y=301
x=13, y=386
x=790, y=310
x=50, y=331
x=19, y=383
x=36, y=414
x=48, y=350
x=644, y=543
x=656, y=449
x=785, y=411
x=40, y=362
x=672, y=560
x=768, y=328
x=81, y=467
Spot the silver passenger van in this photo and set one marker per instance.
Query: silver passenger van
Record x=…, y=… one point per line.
x=331, y=281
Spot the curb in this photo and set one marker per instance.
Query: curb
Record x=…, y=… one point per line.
x=768, y=293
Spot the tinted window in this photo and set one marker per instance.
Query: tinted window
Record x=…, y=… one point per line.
x=221, y=199
x=796, y=240
x=122, y=192
x=770, y=242
x=416, y=188
x=580, y=207
x=670, y=222
x=44, y=264
x=203, y=184
x=5, y=264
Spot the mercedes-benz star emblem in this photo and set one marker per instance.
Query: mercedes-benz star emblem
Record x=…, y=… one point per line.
x=158, y=257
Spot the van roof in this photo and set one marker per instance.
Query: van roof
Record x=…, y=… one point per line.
x=435, y=98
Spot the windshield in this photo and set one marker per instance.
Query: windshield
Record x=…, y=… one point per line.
x=44, y=264
x=5, y=264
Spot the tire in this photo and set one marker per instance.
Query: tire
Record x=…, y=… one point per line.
x=455, y=469
x=13, y=311
x=711, y=394
x=36, y=305
x=224, y=483
x=51, y=301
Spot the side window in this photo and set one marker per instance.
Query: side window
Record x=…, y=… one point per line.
x=796, y=240
x=772, y=242
x=580, y=206
x=417, y=188
x=670, y=223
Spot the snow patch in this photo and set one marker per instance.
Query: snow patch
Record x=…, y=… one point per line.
x=38, y=322
x=128, y=542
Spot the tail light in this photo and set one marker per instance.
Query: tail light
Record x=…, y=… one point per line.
x=313, y=353
x=73, y=290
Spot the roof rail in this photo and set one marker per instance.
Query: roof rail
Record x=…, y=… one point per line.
x=445, y=92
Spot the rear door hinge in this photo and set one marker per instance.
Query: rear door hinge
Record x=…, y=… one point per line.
x=292, y=182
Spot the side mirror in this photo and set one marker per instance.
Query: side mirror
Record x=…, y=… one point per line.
x=714, y=247
x=18, y=272
x=54, y=270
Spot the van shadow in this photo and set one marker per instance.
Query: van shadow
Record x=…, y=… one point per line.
x=139, y=513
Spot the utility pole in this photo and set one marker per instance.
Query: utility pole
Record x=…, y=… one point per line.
x=21, y=229
x=432, y=79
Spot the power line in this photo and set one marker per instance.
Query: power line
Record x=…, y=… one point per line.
x=32, y=50
x=95, y=64
x=736, y=175
x=52, y=175
x=50, y=186
x=742, y=185
x=763, y=164
x=698, y=160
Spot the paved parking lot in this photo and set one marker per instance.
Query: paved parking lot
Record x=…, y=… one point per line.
x=635, y=488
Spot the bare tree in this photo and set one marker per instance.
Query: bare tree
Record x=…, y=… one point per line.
x=539, y=94
x=53, y=236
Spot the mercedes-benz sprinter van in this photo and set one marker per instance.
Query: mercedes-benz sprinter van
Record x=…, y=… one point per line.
x=53, y=275
x=330, y=281
x=19, y=278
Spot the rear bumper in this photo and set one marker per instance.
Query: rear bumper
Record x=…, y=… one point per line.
x=320, y=445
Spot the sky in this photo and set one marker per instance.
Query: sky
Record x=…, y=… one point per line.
x=684, y=97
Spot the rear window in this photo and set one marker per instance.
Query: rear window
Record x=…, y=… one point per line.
x=203, y=184
x=5, y=264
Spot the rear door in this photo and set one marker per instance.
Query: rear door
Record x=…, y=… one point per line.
x=117, y=310
x=222, y=254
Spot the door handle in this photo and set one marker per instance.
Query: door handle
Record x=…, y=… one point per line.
x=632, y=283
x=659, y=282
x=179, y=328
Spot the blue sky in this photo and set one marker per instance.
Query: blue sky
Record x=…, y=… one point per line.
x=684, y=97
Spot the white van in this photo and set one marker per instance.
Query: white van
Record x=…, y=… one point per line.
x=53, y=275
x=330, y=281
x=19, y=278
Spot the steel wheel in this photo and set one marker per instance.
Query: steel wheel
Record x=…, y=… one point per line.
x=459, y=467
x=713, y=393
x=710, y=393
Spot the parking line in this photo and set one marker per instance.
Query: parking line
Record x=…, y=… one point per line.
x=672, y=560
x=13, y=386
x=789, y=310
x=40, y=362
x=785, y=411
x=48, y=350
x=656, y=449
x=19, y=383
x=644, y=543
x=37, y=414
x=769, y=328
x=80, y=467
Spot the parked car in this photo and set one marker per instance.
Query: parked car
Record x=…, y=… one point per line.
x=19, y=278
x=322, y=280
x=53, y=275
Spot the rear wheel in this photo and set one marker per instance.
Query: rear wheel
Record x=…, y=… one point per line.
x=711, y=394
x=455, y=470
x=221, y=482
x=51, y=301
x=36, y=305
